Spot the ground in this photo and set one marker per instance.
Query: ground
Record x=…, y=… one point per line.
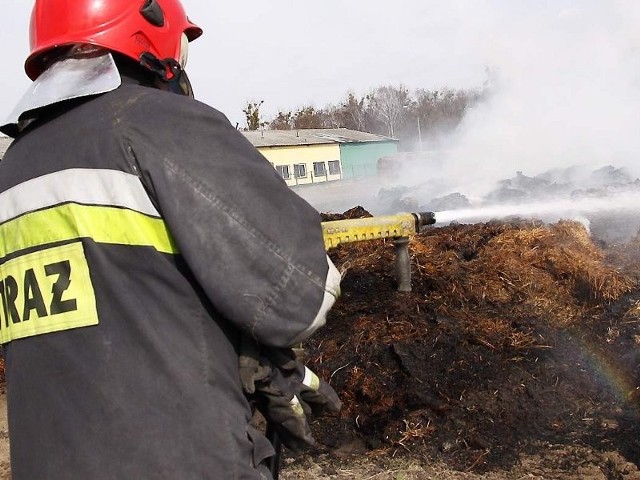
x=515, y=356
x=5, y=466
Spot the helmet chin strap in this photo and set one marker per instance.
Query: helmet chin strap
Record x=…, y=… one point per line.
x=169, y=75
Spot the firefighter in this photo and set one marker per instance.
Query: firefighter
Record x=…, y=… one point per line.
x=141, y=237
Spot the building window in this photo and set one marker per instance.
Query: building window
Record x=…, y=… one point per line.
x=283, y=170
x=334, y=167
x=319, y=169
x=300, y=170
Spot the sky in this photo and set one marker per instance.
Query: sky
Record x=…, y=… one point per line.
x=292, y=54
x=565, y=74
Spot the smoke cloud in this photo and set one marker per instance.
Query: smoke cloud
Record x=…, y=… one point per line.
x=564, y=90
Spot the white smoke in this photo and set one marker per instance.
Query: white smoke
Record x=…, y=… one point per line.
x=564, y=79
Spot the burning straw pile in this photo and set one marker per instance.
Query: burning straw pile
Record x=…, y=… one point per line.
x=495, y=276
x=490, y=275
x=487, y=303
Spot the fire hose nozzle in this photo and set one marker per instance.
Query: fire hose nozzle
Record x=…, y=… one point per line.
x=424, y=219
x=398, y=227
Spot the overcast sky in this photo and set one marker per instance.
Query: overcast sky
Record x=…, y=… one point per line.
x=291, y=54
x=566, y=73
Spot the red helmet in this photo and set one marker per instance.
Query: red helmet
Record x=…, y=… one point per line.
x=129, y=27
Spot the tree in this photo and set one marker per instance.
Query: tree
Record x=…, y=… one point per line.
x=351, y=113
x=386, y=110
x=441, y=111
x=283, y=121
x=309, y=117
x=252, y=113
x=389, y=104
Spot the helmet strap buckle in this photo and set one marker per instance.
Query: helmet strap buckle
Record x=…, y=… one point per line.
x=165, y=69
x=170, y=75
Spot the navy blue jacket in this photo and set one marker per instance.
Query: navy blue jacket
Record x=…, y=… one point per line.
x=140, y=234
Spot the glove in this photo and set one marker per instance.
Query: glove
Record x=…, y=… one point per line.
x=285, y=392
x=317, y=396
x=249, y=364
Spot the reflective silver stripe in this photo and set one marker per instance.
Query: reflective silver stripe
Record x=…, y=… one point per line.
x=79, y=185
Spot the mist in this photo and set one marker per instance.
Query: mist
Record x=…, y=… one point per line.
x=562, y=94
x=564, y=91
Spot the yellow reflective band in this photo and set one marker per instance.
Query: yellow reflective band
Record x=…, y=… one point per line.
x=310, y=379
x=71, y=221
x=295, y=405
x=46, y=291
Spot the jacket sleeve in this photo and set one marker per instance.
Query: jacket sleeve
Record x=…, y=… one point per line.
x=254, y=246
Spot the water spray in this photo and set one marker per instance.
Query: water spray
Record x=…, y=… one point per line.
x=574, y=207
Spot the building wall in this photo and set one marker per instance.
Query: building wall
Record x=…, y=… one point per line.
x=361, y=159
x=290, y=158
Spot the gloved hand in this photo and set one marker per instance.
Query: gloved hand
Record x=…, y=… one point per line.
x=285, y=392
x=249, y=364
x=317, y=396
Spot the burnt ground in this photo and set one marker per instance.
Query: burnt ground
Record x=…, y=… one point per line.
x=518, y=350
x=515, y=356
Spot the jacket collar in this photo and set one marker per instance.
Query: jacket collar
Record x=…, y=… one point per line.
x=66, y=79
